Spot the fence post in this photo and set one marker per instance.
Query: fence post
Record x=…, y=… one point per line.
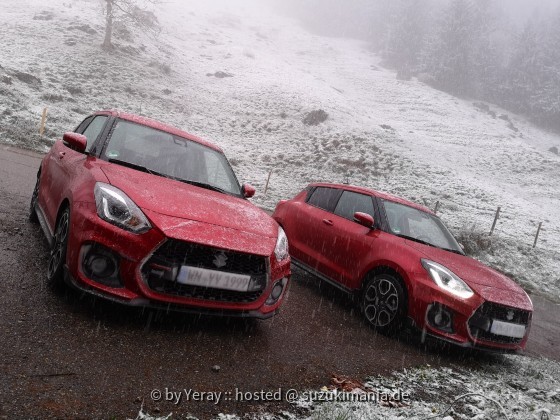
x=267, y=181
x=495, y=220
x=43, y=121
x=537, y=235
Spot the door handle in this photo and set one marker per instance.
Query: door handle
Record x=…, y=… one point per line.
x=61, y=155
x=327, y=222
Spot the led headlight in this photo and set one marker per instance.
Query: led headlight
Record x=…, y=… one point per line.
x=115, y=207
x=281, y=250
x=447, y=280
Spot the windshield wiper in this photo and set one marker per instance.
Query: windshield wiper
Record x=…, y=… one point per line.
x=202, y=185
x=412, y=238
x=133, y=166
x=455, y=251
x=152, y=172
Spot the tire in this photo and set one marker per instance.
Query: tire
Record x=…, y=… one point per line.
x=57, y=258
x=384, y=303
x=32, y=211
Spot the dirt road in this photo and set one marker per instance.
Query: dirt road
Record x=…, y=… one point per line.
x=67, y=355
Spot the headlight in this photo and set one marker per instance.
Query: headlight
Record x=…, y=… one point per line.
x=115, y=207
x=447, y=280
x=281, y=250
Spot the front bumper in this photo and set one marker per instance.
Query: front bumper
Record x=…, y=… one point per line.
x=133, y=252
x=464, y=315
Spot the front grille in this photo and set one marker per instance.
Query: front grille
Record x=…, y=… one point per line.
x=479, y=323
x=160, y=271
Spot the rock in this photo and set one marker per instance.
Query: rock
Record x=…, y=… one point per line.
x=216, y=368
x=84, y=28
x=43, y=16
x=219, y=74
x=554, y=150
x=315, y=117
x=27, y=78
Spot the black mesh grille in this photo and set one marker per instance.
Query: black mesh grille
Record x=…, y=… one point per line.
x=479, y=323
x=160, y=277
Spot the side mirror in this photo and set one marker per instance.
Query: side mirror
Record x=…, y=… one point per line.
x=248, y=190
x=76, y=141
x=364, y=219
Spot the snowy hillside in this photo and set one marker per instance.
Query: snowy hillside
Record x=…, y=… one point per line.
x=399, y=136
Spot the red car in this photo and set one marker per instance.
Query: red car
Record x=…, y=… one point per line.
x=402, y=263
x=147, y=215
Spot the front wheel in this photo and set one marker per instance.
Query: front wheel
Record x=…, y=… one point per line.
x=57, y=258
x=384, y=303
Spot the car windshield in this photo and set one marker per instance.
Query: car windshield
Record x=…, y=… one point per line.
x=419, y=226
x=165, y=154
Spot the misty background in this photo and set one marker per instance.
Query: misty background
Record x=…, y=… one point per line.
x=502, y=51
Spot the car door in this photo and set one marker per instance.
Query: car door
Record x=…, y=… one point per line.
x=63, y=165
x=312, y=217
x=349, y=244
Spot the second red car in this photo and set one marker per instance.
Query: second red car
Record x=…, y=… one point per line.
x=403, y=264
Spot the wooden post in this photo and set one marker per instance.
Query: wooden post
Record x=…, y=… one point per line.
x=267, y=181
x=537, y=235
x=43, y=121
x=495, y=220
x=436, y=207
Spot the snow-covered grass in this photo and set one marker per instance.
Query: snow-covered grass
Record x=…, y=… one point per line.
x=513, y=388
x=518, y=388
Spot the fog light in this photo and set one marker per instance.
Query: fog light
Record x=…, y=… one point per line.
x=276, y=292
x=440, y=317
x=101, y=264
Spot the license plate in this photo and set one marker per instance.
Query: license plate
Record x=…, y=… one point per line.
x=507, y=329
x=194, y=276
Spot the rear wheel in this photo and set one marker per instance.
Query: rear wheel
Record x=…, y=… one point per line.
x=32, y=206
x=55, y=272
x=384, y=303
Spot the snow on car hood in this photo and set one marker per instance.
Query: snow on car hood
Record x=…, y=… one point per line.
x=486, y=282
x=184, y=201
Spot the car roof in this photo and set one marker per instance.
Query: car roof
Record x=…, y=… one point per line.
x=158, y=126
x=379, y=194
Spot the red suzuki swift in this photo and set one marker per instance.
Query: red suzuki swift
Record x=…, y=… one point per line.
x=147, y=215
x=402, y=263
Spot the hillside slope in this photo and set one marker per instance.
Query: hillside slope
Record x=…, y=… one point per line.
x=389, y=134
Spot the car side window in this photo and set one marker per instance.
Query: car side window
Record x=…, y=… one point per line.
x=94, y=129
x=351, y=202
x=80, y=129
x=324, y=198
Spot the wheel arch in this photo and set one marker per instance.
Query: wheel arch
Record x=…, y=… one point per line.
x=63, y=205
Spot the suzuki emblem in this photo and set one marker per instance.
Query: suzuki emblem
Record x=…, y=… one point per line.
x=220, y=259
x=510, y=315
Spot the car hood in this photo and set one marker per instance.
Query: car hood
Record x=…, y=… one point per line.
x=483, y=280
x=179, y=200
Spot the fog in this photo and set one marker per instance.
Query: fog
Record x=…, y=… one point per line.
x=500, y=51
